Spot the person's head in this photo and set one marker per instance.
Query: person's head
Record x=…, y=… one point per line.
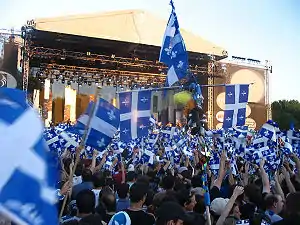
x=293, y=204
x=168, y=182
x=170, y=213
x=196, y=181
x=87, y=175
x=187, y=199
x=85, y=202
x=252, y=193
x=109, y=201
x=131, y=176
x=79, y=169
x=274, y=203
x=138, y=193
x=98, y=180
x=123, y=190
x=218, y=205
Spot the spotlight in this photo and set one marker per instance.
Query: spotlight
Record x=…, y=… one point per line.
x=69, y=82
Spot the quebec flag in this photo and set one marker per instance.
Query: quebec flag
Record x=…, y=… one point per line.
x=236, y=100
x=27, y=193
x=104, y=124
x=135, y=114
x=173, y=52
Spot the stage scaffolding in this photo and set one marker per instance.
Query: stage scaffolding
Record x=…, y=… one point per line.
x=67, y=66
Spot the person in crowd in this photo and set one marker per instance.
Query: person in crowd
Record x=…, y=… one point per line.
x=274, y=205
x=137, y=196
x=86, y=184
x=131, y=178
x=170, y=213
x=85, y=202
x=109, y=203
x=120, y=218
x=99, y=183
x=292, y=210
x=123, y=197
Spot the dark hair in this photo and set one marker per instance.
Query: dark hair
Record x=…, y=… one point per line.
x=85, y=201
x=131, y=176
x=293, y=204
x=184, y=197
x=163, y=222
x=270, y=200
x=87, y=175
x=123, y=190
x=168, y=182
x=98, y=180
x=109, y=201
x=79, y=169
x=196, y=181
x=137, y=192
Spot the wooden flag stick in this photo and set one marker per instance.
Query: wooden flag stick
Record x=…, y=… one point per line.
x=79, y=148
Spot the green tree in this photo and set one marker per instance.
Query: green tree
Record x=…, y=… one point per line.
x=286, y=112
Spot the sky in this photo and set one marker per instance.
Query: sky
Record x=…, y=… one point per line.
x=263, y=30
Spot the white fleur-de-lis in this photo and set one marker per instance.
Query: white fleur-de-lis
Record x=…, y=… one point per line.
x=126, y=102
x=50, y=135
x=244, y=93
x=144, y=100
x=111, y=115
x=266, y=133
x=168, y=50
x=54, y=145
x=101, y=143
x=142, y=126
x=229, y=94
x=180, y=65
x=241, y=117
x=228, y=119
x=173, y=54
x=125, y=131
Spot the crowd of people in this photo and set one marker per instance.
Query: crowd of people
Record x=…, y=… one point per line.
x=167, y=194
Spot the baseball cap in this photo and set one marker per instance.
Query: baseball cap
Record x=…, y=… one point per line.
x=218, y=205
x=170, y=211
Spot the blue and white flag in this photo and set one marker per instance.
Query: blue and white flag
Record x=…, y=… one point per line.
x=134, y=114
x=25, y=163
x=104, y=124
x=173, y=52
x=236, y=100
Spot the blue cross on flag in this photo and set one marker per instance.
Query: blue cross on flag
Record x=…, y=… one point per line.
x=236, y=100
x=173, y=52
x=104, y=124
x=134, y=114
x=25, y=163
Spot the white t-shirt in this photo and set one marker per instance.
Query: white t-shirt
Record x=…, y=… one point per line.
x=96, y=192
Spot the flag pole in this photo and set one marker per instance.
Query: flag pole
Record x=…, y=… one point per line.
x=175, y=87
x=79, y=148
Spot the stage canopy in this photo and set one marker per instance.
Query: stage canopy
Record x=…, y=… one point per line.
x=134, y=26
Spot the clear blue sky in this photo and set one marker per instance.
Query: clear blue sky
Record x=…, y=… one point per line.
x=268, y=29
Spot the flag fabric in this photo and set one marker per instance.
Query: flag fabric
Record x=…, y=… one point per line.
x=173, y=52
x=236, y=99
x=25, y=163
x=135, y=113
x=104, y=124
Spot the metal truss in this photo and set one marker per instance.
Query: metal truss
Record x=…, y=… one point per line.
x=210, y=95
x=98, y=75
x=41, y=52
x=268, y=69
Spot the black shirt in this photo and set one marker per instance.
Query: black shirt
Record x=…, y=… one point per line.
x=140, y=217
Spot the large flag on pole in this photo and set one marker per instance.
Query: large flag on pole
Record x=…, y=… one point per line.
x=27, y=193
x=135, y=113
x=173, y=52
x=104, y=124
x=236, y=100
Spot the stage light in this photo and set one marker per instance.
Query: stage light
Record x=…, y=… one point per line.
x=69, y=82
x=88, y=53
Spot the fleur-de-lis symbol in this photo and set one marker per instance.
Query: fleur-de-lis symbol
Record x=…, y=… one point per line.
x=180, y=65
x=101, y=143
x=173, y=54
x=144, y=100
x=111, y=115
x=168, y=50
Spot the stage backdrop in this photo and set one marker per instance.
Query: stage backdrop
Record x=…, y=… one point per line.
x=240, y=74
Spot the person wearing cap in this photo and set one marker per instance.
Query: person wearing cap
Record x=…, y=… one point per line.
x=170, y=213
